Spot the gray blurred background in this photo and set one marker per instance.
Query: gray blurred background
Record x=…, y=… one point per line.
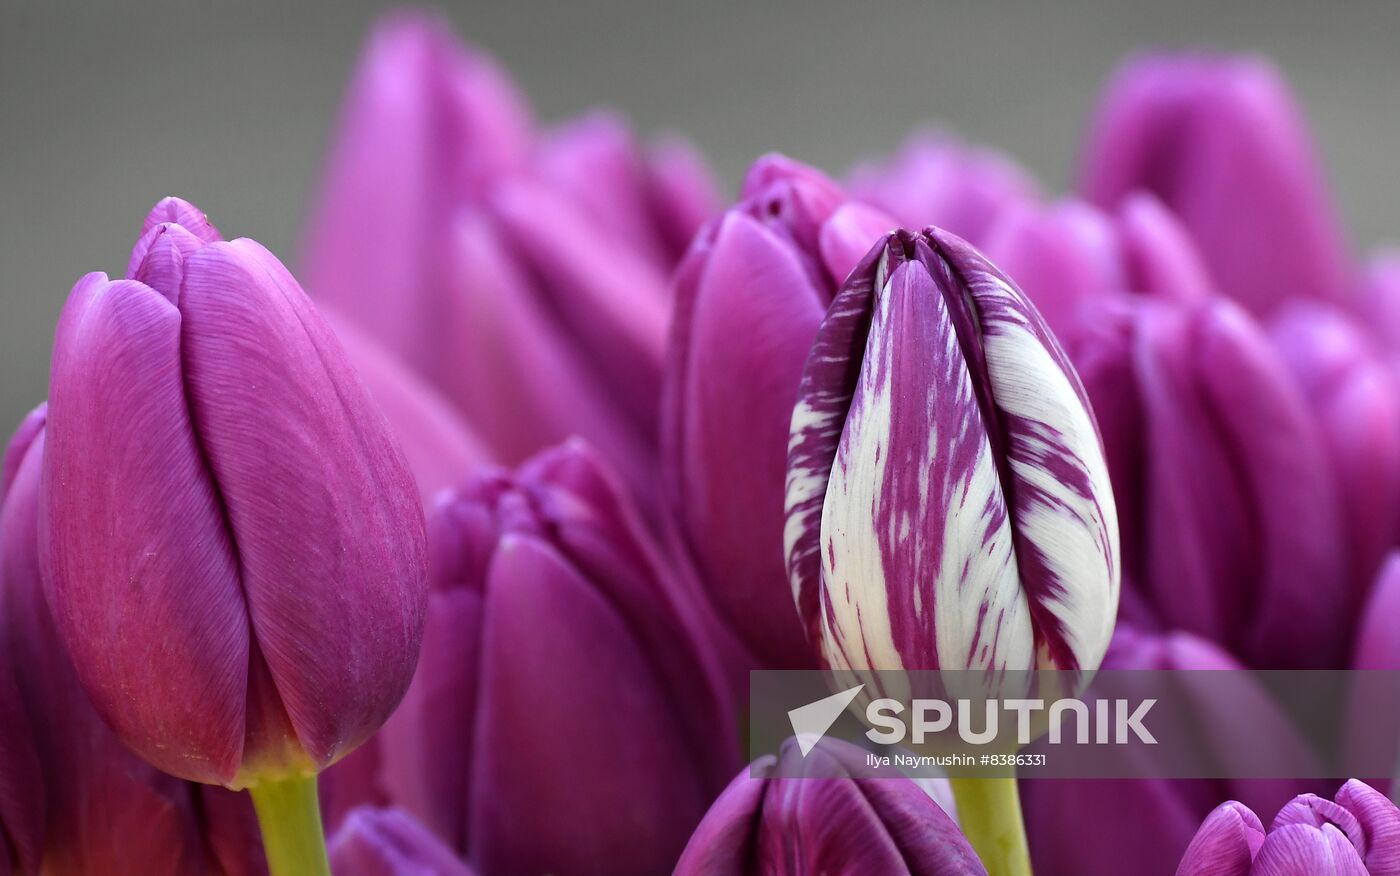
x=230, y=104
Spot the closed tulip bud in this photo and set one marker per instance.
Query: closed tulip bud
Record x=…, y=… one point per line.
x=935, y=179
x=1357, y=835
x=948, y=500
x=234, y=545
x=1069, y=253
x=1230, y=513
x=388, y=842
x=1354, y=396
x=749, y=297
x=555, y=631
x=105, y=810
x=1221, y=141
x=806, y=816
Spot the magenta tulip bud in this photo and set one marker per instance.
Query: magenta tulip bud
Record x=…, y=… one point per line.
x=749, y=298
x=1067, y=254
x=817, y=818
x=556, y=630
x=936, y=179
x=234, y=542
x=1222, y=142
x=388, y=842
x=1357, y=835
x=948, y=501
x=105, y=810
x=1355, y=398
x=1230, y=516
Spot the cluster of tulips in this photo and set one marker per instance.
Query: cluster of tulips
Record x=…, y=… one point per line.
x=457, y=561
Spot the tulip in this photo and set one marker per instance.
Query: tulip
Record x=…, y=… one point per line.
x=228, y=526
x=1067, y=254
x=935, y=179
x=1378, y=301
x=1222, y=142
x=105, y=810
x=388, y=842
x=1057, y=810
x=432, y=234
x=808, y=816
x=1354, y=396
x=565, y=718
x=749, y=297
x=948, y=502
x=1230, y=516
x=1357, y=835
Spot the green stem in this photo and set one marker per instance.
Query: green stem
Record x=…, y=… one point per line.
x=989, y=811
x=289, y=815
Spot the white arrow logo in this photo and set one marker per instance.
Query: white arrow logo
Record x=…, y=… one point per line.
x=810, y=722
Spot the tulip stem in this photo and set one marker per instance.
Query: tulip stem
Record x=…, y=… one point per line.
x=989, y=811
x=289, y=814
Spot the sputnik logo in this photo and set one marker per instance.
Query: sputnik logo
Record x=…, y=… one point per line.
x=810, y=722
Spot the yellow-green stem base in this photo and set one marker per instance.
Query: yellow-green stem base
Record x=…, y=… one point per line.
x=289, y=815
x=989, y=811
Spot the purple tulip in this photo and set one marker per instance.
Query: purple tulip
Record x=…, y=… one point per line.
x=556, y=634
x=749, y=297
x=819, y=819
x=1354, y=395
x=1357, y=835
x=1221, y=141
x=1056, y=811
x=948, y=500
x=1066, y=254
x=1229, y=507
x=936, y=179
x=388, y=842
x=432, y=234
x=105, y=810
x=236, y=546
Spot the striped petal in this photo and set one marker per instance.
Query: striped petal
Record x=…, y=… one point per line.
x=1225, y=845
x=1302, y=850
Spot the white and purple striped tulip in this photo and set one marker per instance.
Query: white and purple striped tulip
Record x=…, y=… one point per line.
x=948, y=502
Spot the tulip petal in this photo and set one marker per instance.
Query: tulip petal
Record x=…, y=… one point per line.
x=1301, y=850
x=388, y=842
x=537, y=805
x=1225, y=845
x=295, y=444
x=132, y=512
x=1066, y=523
x=1379, y=821
x=743, y=329
x=724, y=843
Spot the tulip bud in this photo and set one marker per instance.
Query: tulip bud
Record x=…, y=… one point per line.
x=388, y=842
x=1354, y=396
x=819, y=819
x=1229, y=506
x=234, y=544
x=565, y=718
x=948, y=503
x=1358, y=835
x=749, y=297
x=105, y=810
x=1067, y=254
x=935, y=179
x=1221, y=141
